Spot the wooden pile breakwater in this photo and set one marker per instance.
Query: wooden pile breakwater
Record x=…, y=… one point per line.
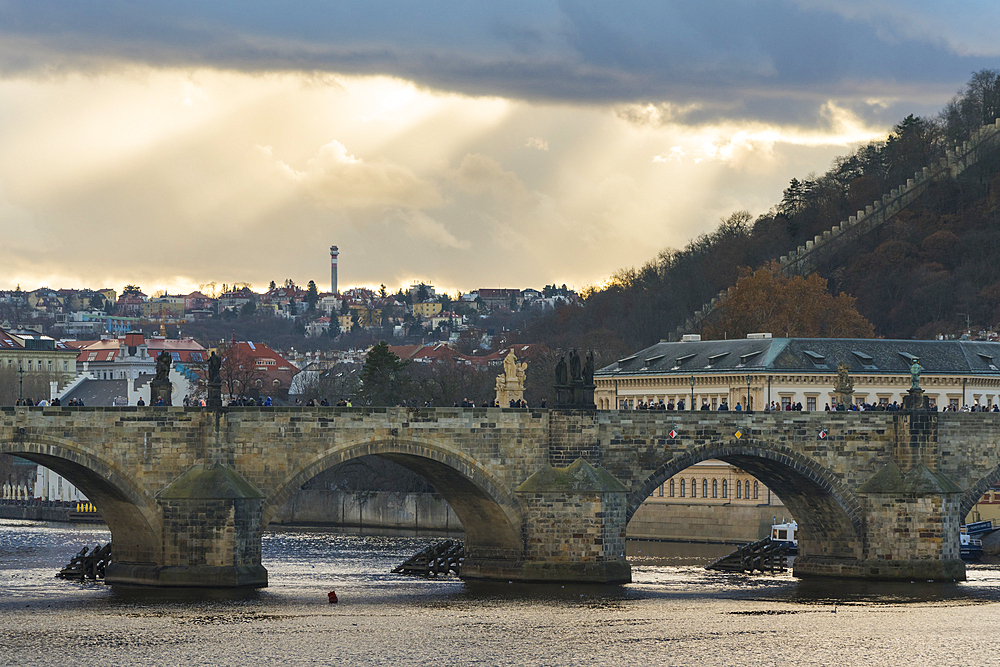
x=86, y=565
x=764, y=555
x=440, y=558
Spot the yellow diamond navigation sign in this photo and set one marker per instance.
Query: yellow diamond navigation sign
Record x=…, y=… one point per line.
x=738, y=434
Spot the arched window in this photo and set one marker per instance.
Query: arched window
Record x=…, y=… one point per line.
x=739, y=489
x=725, y=488
x=704, y=487
x=715, y=488
x=756, y=490
x=682, y=488
x=694, y=488
x=661, y=491
x=672, y=487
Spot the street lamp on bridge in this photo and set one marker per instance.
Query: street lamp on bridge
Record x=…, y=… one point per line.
x=20, y=382
x=692, y=391
x=749, y=402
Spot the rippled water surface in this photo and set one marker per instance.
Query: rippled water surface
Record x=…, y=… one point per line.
x=675, y=613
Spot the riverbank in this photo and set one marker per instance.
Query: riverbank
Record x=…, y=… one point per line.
x=374, y=509
x=714, y=524
x=721, y=524
x=52, y=510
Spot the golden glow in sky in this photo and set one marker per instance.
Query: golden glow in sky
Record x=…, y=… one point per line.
x=515, y=145
x=174, y=178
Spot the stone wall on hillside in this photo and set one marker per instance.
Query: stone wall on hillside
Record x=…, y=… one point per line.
x=806, y=258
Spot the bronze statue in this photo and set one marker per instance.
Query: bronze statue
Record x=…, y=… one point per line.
x=915, y=374
x=574, y=367
x=561, y=377
x=163, y=366
x=214, y=368
x=588, y=369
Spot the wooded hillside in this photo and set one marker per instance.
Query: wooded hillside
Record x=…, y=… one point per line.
x=919, y=275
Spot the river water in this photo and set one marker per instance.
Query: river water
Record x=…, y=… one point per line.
x=675, y=613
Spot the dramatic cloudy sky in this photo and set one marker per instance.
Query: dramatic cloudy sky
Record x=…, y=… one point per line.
x=468, y=144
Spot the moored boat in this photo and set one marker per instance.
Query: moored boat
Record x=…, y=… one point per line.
x=786, y=532
x=969, y=548
x=969, y=545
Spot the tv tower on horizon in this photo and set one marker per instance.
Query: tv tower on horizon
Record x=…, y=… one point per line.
x=333, y=268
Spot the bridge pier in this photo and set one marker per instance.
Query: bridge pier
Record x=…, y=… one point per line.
x=574, y=525
x=911, y=530
x=212, y=528
x=573, y=531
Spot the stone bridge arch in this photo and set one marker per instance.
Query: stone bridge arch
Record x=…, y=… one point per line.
x=488, y=509
x=831, y=517
x=973, y=494
x=129, y=510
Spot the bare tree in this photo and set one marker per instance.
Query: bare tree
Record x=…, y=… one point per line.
x=338, y=382
x=241, y=376
x=35, y=385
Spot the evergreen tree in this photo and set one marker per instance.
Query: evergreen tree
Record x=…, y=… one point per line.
x=385, y=378
x=312, y=296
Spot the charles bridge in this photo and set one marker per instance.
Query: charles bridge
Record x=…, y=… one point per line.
x=544, y=495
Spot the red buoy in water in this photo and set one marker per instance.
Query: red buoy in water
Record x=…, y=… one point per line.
x=332, y=595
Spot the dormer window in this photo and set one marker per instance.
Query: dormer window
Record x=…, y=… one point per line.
x=817, y=359
x=712, y=360
x=867, y=360
x=653, y=360
x=988, y=360
x=679, y=361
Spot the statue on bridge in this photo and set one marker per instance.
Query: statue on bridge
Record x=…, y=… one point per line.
x=575, y=388
x=914, y=398
x=844, y=389
x=510, y=385
x=160, y=387
x=163, y=366
x=214, y=368
x=214, y=381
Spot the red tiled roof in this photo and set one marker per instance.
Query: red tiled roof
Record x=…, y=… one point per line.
x=107, y=349
x=432, y=352
x=7, y=342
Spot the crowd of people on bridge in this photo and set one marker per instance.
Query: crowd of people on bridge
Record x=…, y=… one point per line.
x=774, y=406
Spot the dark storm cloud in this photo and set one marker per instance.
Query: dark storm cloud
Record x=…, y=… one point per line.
x=772, y=60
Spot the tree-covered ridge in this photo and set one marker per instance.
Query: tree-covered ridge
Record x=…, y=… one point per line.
x=909, y=278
